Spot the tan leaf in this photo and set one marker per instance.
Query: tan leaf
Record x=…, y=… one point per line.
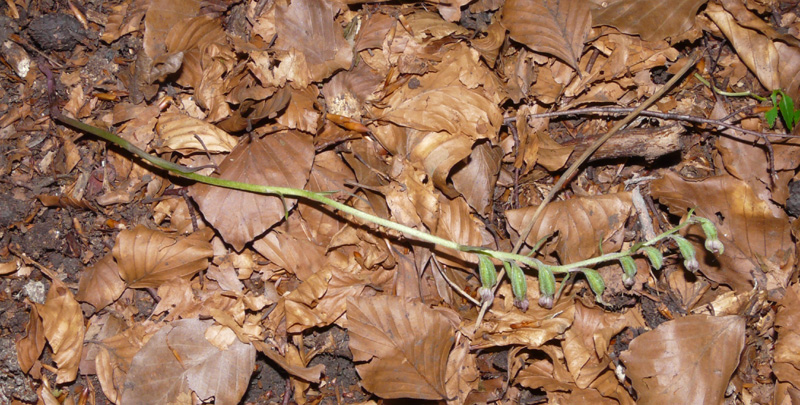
x=100, y=284
x=294, y=253
x=310, y=374
x=300, y=304
x=309, y=26
x=301, y=113
x=581, y=224
x=586, y=343
x=753, y=231
x=754, y=48
x=773, y=62
x=30, y=347
x=147, y=258
x=161, y=16
x=454, y=109
x=115, y=355
x=62, y=320
x=456, y=223
x=476, y=179
x=180, y=133
x=651, y=19
x=283, y=160
x=185, y=361
x=554, y=27
x=787, y=347
x=531, y=329
x=689, y=360
x=407, y=343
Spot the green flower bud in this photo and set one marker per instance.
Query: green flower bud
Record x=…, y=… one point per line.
x=688, y=253
x=596, y=283
x=629, y=267
x=547, y=287
x=487, y=271
x=713, y=244
x=518, y=286
x=654, y=256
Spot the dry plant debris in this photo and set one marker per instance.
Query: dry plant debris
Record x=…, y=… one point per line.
x=125, y=284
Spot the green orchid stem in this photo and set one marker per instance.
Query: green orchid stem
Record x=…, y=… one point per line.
x=729, y=94
x=189, y=173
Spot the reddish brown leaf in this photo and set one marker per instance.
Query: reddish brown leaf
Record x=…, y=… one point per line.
x=100, y=284
x=309, y=26
x=651, y=19
x=755, y=232
x=283, y=160
x=580, y=223
x=147, y=258
x=184, y=361
x=407, y=343
x=62, y=320
x=30, y=347
x=554, y=27
x=689, y=360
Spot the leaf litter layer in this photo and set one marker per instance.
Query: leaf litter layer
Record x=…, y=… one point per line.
x=436, y=117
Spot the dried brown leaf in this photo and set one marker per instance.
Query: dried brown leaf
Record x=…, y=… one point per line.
x=186, y=361
x=100, y=284
x=554, y=27
x=309, y=27
x=283, y=160
x=147, y=258
x=407, y=342
x=586, y=343
x=689, y=360
x=771, y=61
x=787, y=346
x=180, y=133
x=30, y=347
x=161, y=16
x=476, y=179
x=457, y=224
x=531, y=329
x=582, y=224
x=653, y=20
x=755, y=232
x=62, y=321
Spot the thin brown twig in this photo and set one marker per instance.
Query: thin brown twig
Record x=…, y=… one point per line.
x=574, y=168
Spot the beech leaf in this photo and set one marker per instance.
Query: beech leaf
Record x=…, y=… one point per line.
x=148, y=258
x=653, y=20
x=579, y=223
x=554, y=27
x=407, y=343
x=179, y=359
x=282, y=160
x=687, y=360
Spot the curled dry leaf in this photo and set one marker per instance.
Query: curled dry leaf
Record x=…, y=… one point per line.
x=787, y=347
x=100, y=284
x=30, y=347
x=773, y=62
x=283, y=160
x=185, y=134
x=580, y=223
x=62, y=322
x=406, y=342
x=653, y=20
x=186, y=361
x=310, y=374
x=586, y=342
x=753, y=231
x=688, y=360
x=309, y=26
x=161, y=16
x=456, y=223
x=556, y=28
x=476, y=179
x=148, y=258
x=531, y=329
